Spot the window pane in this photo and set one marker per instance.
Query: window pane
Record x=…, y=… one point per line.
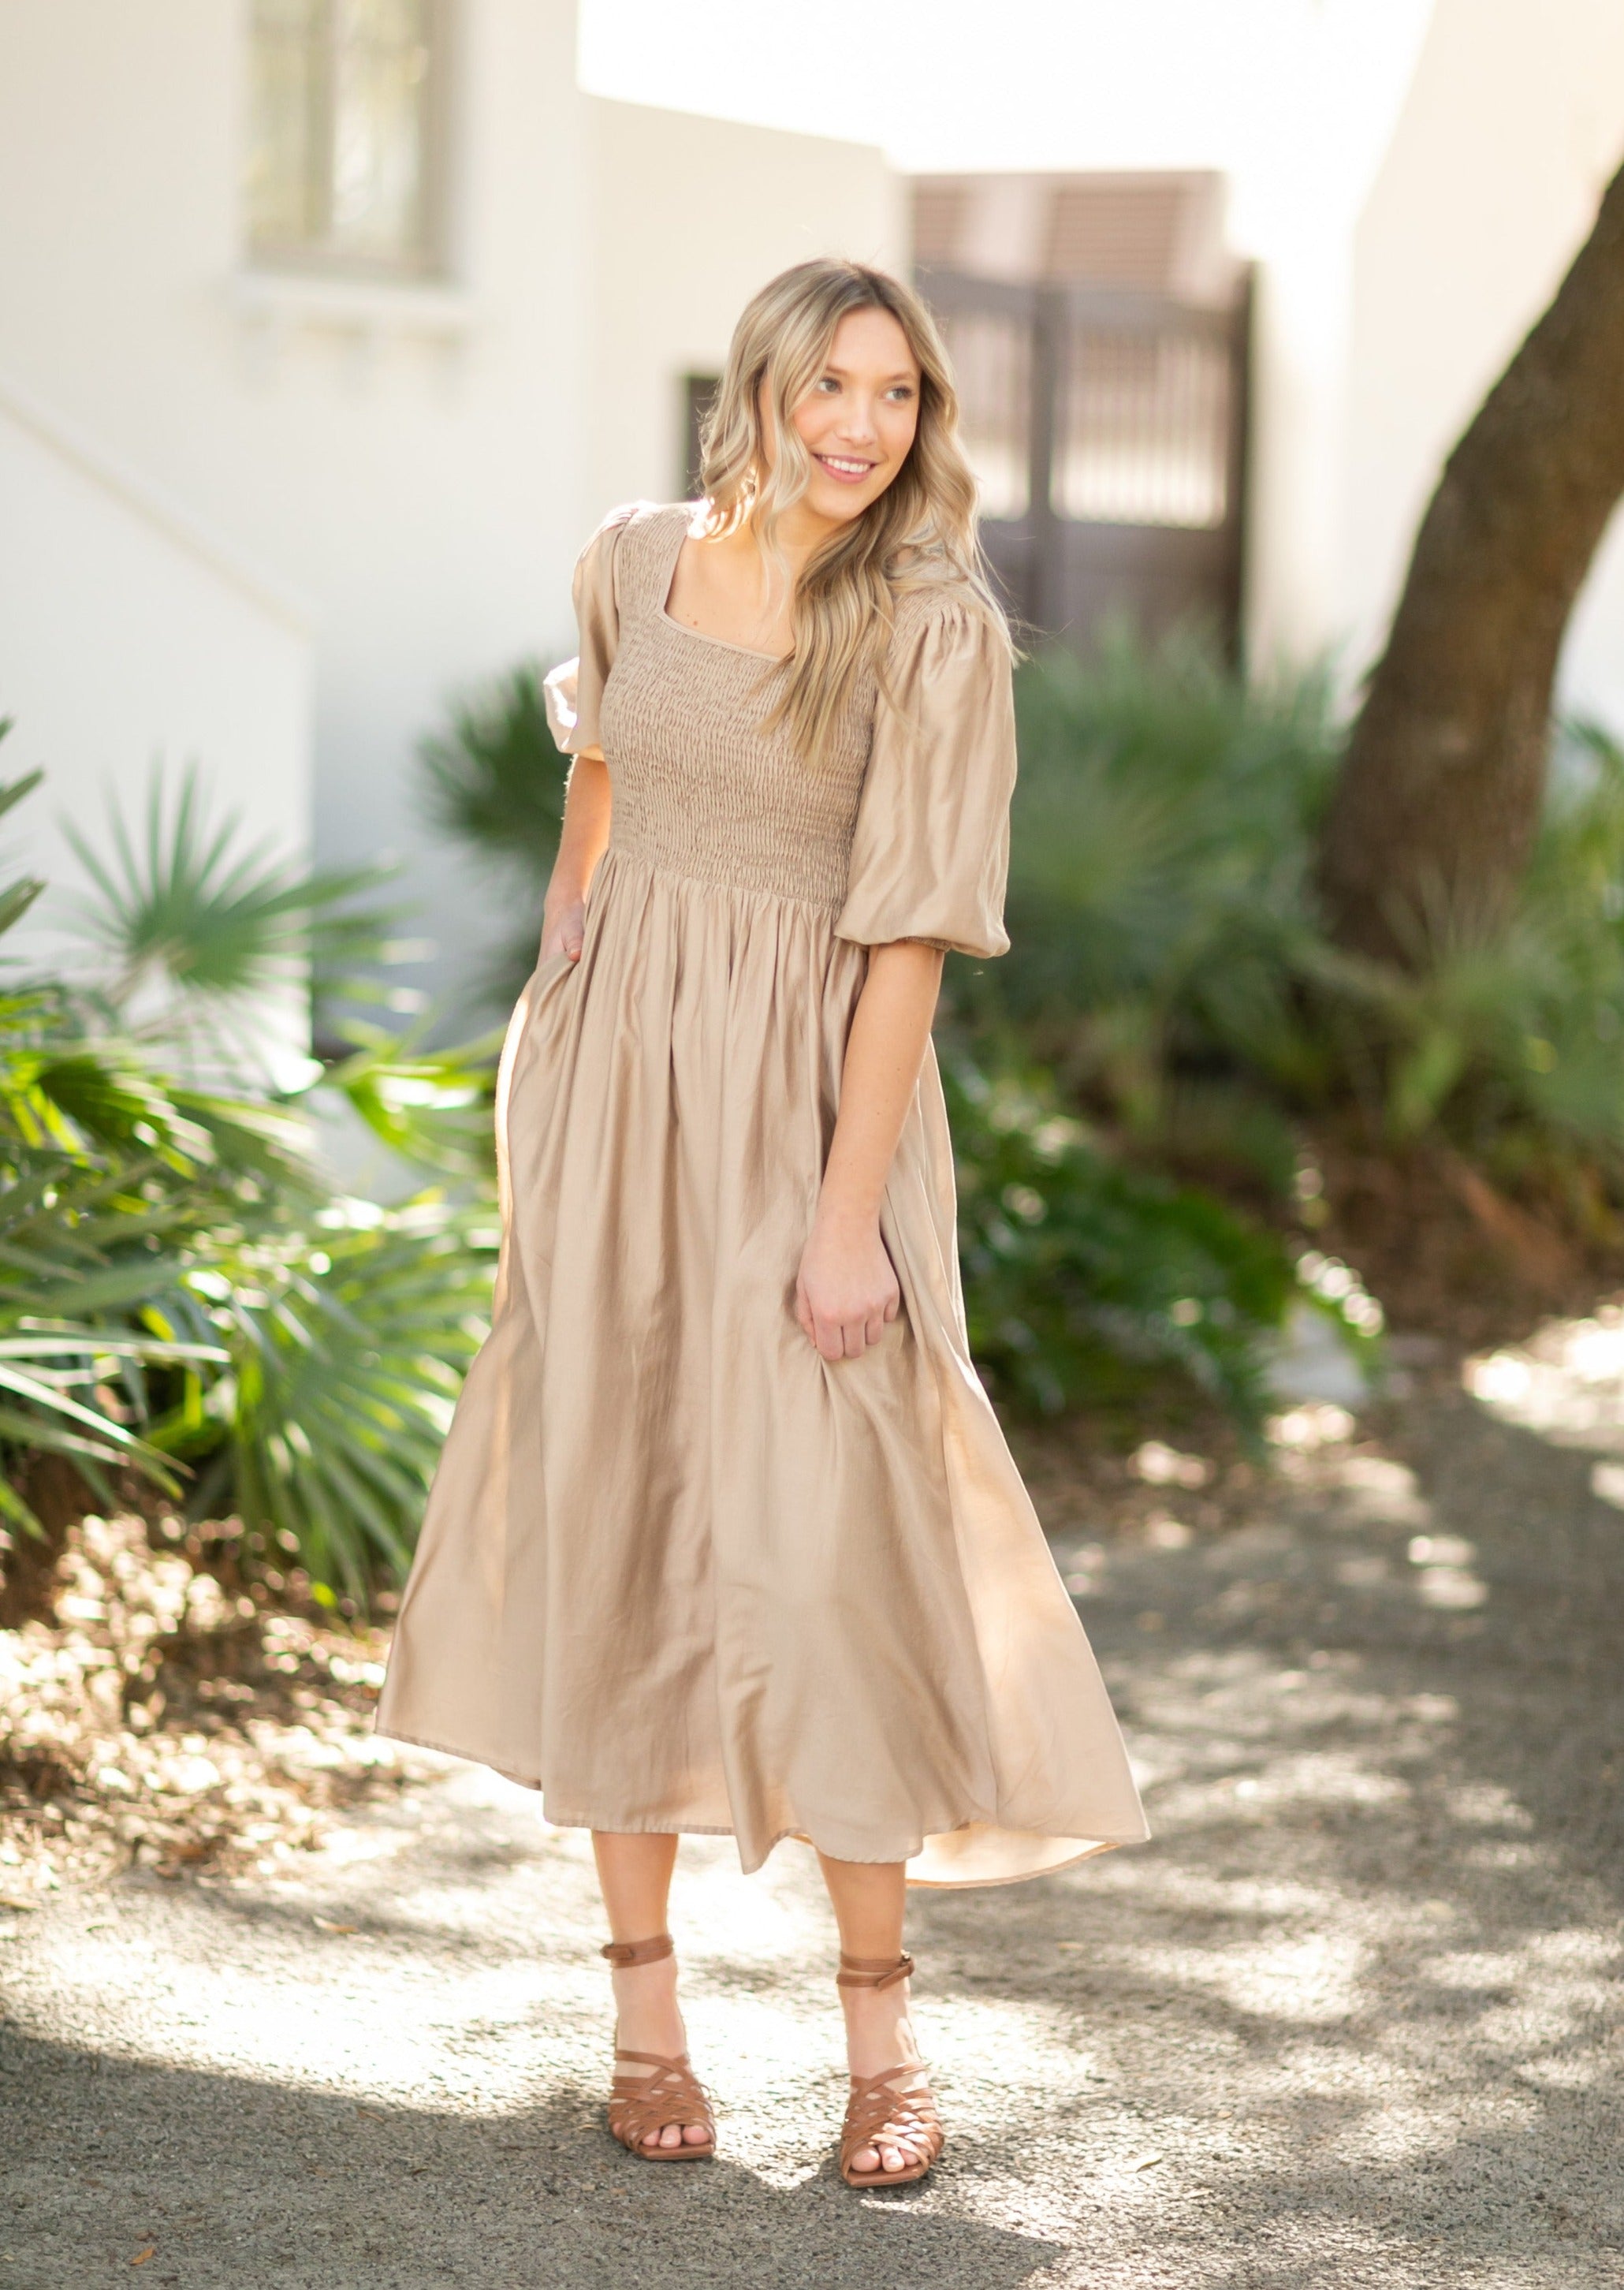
x=699, y=395
x=380, y=130
x=286, y=188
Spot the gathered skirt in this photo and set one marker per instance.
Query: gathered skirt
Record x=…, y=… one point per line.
x=679, y=1571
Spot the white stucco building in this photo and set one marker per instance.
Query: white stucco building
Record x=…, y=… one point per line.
x=329, y=327
x=316, y=368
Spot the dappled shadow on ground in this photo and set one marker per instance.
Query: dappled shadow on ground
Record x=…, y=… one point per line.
x=1368, y=1971
x=1352, y=2018
x=251, y=2183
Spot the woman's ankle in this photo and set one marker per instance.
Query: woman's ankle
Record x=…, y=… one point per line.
x=648, y=2016
x=879, y=2029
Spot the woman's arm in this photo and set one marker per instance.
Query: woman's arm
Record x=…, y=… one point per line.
x=580, y=846
x=847, y=1290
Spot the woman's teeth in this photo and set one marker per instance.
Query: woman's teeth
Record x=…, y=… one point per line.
x=841, y=468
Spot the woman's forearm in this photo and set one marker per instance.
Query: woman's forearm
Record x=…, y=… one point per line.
x=581, y=843
x=846, y=1289
x=585, y=832
x=890, y=1029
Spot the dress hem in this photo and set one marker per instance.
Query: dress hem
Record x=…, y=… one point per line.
x=1089, y=1850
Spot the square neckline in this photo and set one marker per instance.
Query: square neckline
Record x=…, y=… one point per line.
x=767, y=659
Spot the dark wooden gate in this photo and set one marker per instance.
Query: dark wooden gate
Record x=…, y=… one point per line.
x=1109, y=431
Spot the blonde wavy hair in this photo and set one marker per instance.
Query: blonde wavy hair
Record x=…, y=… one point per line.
x=920, y=532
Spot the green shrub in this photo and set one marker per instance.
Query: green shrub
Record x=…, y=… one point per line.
x=494, y=781
x=1083, y=1279
x=1169, y=960
x=182, y=1289
x=1158, y=907
x=1508, y=1035
x=195, y=931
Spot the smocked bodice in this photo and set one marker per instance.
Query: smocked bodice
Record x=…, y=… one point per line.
x=901, y=830
x=699, y=788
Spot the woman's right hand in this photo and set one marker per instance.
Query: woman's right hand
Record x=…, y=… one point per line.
x=587, y=811
x=563, y=929
x=846, y=1292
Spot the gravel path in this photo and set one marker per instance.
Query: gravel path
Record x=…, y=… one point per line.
x=1352, y=2018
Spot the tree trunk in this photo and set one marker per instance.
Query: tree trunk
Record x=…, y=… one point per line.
x=1439, y=798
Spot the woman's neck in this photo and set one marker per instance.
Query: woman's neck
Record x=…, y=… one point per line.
x=800, y=534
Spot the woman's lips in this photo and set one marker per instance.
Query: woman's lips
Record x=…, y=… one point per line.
x=844, y=470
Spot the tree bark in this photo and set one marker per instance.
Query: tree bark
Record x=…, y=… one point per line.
x=1439, y=801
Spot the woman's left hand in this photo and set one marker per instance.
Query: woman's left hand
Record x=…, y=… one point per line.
x=846, y=1292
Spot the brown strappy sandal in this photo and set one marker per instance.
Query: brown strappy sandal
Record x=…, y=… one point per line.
x=882, y=2112
x=672, y=2093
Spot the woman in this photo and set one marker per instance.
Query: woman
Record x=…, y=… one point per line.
x=726, y=1539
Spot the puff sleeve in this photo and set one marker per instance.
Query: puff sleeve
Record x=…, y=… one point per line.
x=931, y=851
x=575, y=691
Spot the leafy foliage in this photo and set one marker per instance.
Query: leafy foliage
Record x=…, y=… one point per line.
x=345, y=1334
x=1169, y=961
x=92, y=1157
x=1507, y=1032
x=1082, y=1276
x=432, y=1106
x=1162, y=824
x=182, y=1289
x=195, y=932
x=495, y=778
x=1158, y=899
x=495, y=782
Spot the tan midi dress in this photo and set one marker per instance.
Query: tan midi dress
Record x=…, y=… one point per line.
x=678, y=1570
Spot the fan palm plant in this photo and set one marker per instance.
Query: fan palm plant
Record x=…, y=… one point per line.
x=181, y=1289
x=197, y=934
x=493, y=782
x=1158, y=908
x=1170, y=962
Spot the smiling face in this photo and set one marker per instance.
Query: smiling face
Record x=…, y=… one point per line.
x=858, y=418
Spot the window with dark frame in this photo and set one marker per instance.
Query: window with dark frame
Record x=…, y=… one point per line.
x=699, y=395
x=347, y=101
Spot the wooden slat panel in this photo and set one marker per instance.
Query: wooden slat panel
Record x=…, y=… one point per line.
x=1128, y=412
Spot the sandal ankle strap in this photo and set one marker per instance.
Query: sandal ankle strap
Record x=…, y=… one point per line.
x=872, y=1971
x=624, y=1953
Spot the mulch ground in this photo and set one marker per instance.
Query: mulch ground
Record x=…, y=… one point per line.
x=160, y=1711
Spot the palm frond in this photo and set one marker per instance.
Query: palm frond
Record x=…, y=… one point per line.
x=180, y=1293
x=1167, y=936
x=495, y=779
x=17, y=897
x=197, y=926
x=347, y=1366
x=432, y=1107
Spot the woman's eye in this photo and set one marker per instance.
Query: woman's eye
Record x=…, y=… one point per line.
x=828, y=383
